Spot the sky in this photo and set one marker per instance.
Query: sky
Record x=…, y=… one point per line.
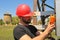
x=11, y=5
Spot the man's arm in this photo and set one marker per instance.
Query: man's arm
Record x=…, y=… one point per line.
x=40, y=37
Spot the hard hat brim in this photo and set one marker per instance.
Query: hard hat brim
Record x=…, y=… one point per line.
x=29, y=14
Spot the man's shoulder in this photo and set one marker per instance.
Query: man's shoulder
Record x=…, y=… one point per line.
x=18, y=32
x=31, y=25
x=18, y=27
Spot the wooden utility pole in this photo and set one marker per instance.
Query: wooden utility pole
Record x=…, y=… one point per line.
x=35, y=9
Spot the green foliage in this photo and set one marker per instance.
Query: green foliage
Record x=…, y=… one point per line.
x=1, y=22
x=15, y=20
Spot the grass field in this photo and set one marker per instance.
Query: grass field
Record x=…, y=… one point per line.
x=6, y=33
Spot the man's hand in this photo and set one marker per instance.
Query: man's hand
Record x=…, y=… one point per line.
x=50, y=27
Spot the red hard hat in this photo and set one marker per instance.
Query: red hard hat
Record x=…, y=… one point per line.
x=23, y=10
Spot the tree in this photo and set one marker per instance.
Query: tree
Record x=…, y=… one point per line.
x=1, y=22
x=15, y=20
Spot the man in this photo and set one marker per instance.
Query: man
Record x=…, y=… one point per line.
x=23, y=30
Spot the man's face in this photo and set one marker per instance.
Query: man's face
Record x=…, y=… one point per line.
x=26, y=19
